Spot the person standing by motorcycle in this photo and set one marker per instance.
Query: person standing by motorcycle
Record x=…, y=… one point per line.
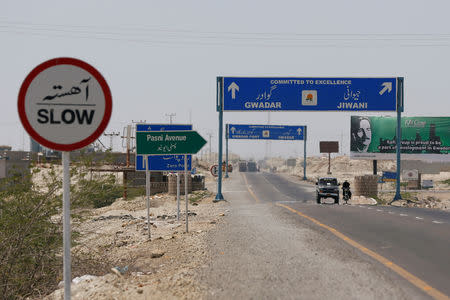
x=346, y=193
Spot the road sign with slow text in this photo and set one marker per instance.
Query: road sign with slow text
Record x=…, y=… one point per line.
x=64, y=104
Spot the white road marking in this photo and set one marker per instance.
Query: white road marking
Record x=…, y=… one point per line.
x=438, y=222
x=403, y=215
x=391, y=212
x=419, y=218
x=369, y=208
x=379, y=210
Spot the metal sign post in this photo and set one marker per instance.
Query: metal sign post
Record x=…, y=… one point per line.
x=147, y=194
x=186, y=191
x=66, y=223
x=178, y=196
x=226, y=151
x=219, y=196
x=304, y=152
x=400, y=99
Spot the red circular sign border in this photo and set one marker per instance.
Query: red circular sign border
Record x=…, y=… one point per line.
x=211, y=170
x=64, y=61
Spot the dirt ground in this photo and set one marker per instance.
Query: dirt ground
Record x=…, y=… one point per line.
x=134, y=267
x=119, y=261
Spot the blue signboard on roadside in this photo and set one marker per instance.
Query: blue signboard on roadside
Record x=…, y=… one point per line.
x=265, y=132
x=309, y=94
x=163, y=162
x=163, y=127
x=388, y=176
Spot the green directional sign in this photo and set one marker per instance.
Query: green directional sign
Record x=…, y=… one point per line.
x=168, y=142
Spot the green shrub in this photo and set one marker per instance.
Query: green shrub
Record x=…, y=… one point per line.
x=30, y=241
x=102, y=191
x=133, y=192
x=91, y=190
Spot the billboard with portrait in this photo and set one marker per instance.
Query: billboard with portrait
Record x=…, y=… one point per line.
x=426, y=138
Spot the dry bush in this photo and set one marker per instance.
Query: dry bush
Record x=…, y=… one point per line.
x=30, y=239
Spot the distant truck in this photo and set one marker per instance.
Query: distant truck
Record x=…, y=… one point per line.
x=242, y=166
x=252, y=167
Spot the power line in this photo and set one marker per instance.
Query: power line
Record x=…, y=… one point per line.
x=184, y=31
x=257, y=36
x=235, y=39
x=161, y=43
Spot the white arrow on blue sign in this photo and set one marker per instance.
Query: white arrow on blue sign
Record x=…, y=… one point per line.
x=309, y=94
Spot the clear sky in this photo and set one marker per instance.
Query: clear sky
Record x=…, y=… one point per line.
x=162, y=57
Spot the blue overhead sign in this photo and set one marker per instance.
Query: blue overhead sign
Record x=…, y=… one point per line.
x=163, y=162
x=163, y=127
x=265, y=132
x=309, y=94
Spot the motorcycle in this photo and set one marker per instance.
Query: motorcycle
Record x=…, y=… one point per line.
x=346, y=194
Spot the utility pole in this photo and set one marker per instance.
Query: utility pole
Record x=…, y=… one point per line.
x=170, y=116
x=210, y=136
x=111, y=135
x=127, y=141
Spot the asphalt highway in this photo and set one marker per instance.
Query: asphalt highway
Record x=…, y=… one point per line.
x=416, y=239
x=278, y=243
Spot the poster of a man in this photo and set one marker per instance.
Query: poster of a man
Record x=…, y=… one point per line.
x=361, y=134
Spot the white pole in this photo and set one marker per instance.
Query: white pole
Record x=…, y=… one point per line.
x=147, y=193
x=178, y=196
x=66, y=224
x=186, y=190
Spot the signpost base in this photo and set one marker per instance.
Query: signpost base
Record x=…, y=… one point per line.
x=396, y=197
x=219, y=197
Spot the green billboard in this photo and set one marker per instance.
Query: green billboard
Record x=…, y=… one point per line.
x=422, y=137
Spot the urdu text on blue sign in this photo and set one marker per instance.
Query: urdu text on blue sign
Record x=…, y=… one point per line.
x=163, y=162
x=265, y=132
x=309, y=94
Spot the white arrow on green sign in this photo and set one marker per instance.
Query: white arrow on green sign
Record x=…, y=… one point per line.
x=168, y=142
